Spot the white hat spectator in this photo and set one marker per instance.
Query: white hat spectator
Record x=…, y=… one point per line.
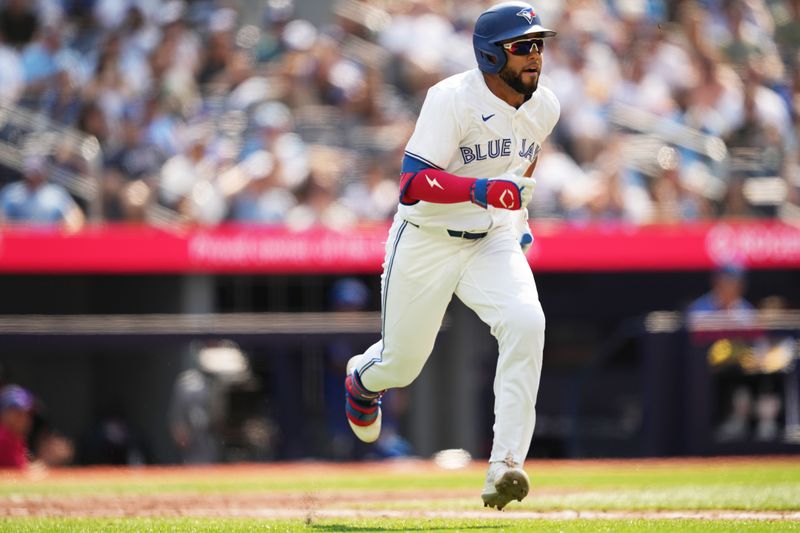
x=34, y=164
x=259, y=165
x=300, y=35
x=274, y=115
x=222, y=20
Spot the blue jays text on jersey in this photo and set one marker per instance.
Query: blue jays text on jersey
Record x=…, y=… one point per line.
x=497, y=148
x=464, y=129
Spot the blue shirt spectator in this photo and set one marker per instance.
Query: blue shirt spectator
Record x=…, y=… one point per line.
x=36, y=201
x=39, y=59
x=727, y=292
x=47, y=203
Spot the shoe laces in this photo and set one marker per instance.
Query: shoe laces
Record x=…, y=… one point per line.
x=357, y=391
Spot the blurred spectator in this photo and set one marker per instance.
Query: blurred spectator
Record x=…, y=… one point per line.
x=263, y=199
x=786, y=14
x=12, y=77
x=108, y=87
x=641, y=89
x=583, y=95
x=714, y=102
x=626, y=72
x=113, y=441
x=26, y=436
x=18, y=22
x=610, y=191
x=773, y=361
x=374, y=198
x=551, y=195
x=50, y=448
x=734, y=203
x=187, y=178
x=93, y=120
x=132, y=171
x=726, y=294
x=35, y=200
x=725, y=301
x=320, y=204
x=40, y=60
x=219, y=48
x=744, y=30
x=673, y=198
x=16, y=419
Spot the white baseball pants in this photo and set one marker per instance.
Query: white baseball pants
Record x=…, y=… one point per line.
x=421, y=272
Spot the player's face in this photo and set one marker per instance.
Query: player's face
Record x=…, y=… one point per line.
x=523, y=64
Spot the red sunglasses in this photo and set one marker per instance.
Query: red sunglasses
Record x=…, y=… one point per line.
x=524, y=47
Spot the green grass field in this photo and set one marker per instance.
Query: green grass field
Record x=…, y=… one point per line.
x=695, y=495
x=140, y=525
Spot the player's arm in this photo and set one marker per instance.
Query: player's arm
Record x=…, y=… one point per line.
x=419, y=181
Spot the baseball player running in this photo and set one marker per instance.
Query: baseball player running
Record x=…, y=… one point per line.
x=455, y=234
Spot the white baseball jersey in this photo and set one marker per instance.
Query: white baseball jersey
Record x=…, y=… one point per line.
x=464, y=129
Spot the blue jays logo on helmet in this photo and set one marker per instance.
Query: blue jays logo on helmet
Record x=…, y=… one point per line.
x=527, y=13
x=500, y=23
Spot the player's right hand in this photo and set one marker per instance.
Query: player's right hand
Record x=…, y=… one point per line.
x=508, y=191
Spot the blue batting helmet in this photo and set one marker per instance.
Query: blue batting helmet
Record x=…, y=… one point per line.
x=500, y=23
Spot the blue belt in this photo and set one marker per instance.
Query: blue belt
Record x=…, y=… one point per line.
x=466, y=234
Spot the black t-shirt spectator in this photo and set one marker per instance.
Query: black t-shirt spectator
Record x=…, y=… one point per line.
x=18, y=25
x=136, y=162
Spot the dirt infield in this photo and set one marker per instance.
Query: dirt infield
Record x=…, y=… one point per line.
x=290, y=504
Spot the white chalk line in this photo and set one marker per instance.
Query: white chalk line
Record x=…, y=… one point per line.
x=287, y=514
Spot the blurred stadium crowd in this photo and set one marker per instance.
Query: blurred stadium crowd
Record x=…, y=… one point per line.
x=215, y=110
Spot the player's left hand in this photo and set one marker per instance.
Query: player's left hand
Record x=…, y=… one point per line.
x=526, y=193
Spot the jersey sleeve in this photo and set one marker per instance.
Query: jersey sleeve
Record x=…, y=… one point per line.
x=437, y=133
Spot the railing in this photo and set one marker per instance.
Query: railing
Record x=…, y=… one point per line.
x=649, y=150
x=155, y=326
x=23, y=132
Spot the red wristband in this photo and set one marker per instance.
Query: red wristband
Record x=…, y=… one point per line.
x=435, y=186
